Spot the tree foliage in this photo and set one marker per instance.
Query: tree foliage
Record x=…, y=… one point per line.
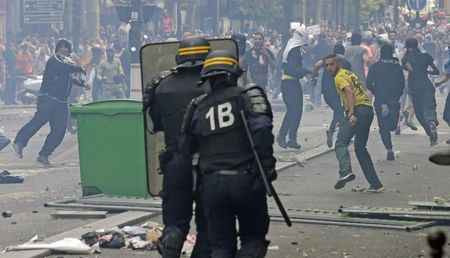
x=367, y=6
x=256, y=9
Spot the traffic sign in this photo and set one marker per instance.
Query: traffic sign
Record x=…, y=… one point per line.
x=43, y=6
x=417, y=5
x=43, y=11
x=43, y=18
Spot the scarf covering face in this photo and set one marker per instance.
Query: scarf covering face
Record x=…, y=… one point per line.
x=295, y=41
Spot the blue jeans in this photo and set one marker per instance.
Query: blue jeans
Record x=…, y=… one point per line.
x=333, y=100
x=364, y=115
x=48, y=111
x=4, y=141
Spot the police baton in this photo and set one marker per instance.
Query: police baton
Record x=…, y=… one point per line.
x=269, y=187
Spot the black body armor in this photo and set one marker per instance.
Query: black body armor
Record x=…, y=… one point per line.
x=170, y=95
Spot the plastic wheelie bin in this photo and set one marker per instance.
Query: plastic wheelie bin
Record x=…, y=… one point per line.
x=111, y=145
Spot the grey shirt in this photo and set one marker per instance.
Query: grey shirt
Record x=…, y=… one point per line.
x=354, y=54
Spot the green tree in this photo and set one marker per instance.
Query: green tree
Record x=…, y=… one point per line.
x=367, y=6
x=268, y=10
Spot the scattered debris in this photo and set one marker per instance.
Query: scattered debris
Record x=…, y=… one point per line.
x=142, y=237
x=67, y=245
x=7, y=214
x=439, y=200
x=188, y=245
x=273, y=248
x=358, y=189
x=7, y=178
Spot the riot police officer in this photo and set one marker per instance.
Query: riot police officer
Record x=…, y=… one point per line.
x=167, y=97
x=231, y=187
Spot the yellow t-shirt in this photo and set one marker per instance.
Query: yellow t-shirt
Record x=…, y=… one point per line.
x=345, y=78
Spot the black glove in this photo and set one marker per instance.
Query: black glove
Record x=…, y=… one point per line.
x=271, y=173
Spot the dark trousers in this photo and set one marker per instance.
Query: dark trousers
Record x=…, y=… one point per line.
x=4, y=141
x=333, y=100
x=292, y=93
x=10, y=89
x=425, y=108
x=96, y=89
x=361, y=130
x=177, y=202
x=48, y=111
x=447, y=110
x=388, y=123
x=227, y=197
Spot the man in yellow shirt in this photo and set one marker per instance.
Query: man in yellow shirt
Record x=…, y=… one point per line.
x=357, y=122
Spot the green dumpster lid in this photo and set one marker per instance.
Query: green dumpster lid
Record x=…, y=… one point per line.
x=108, y=107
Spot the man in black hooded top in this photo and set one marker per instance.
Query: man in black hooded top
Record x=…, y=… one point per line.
x=422, y=89
x=387, y=82
x=60, y=74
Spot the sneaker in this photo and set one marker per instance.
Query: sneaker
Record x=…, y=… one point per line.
x=5, y=144
x=411, y=125
x=433, y=134
x=293, y=145
x=376, y=190
x=343, y=180
x=390, y=155
x=329, y=138
x=281, y=141
x=448, y=141
x=397, y=131
x=43, y=160
x=17, y=149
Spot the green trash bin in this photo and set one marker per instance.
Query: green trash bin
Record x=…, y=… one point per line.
x=111, y=146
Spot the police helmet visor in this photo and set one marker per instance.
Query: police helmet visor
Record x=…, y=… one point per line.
x=157, y=57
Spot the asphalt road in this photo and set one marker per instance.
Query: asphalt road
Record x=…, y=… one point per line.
x=305, y=187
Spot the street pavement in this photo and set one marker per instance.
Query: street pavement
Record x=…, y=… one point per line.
x=305, y=186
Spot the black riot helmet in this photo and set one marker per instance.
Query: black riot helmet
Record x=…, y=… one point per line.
x=63, y=42
x=241, y=42
x=221, y=62
x=192, y=49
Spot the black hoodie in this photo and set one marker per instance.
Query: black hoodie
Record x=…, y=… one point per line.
x=56, y=81
x=386, y=81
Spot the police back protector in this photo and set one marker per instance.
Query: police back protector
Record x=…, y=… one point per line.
x=220, y=129
x=172, y=97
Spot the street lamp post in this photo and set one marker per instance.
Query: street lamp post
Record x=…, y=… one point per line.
x=287, y=7
x=134, y=36
x=396, y=13
x=357, y=15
